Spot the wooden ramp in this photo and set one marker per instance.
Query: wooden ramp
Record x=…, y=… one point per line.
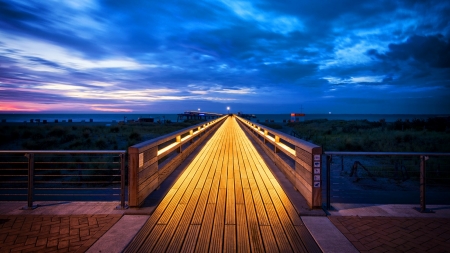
x=226, y=200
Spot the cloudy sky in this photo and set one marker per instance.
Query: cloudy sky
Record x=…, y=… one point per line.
x=262, y=56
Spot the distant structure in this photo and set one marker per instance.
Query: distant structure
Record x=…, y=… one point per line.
x=247, y=116
x=297, y=117
x=146, y=119
x=188, y=115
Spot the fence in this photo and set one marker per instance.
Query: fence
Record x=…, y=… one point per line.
x=299, y=160
x=387, y=178
x=62, y=175
x=151, y=162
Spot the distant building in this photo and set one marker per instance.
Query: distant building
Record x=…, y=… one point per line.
x=297, y=117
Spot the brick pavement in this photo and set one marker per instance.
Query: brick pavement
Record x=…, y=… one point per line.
x=53, y=233
x=389, y=234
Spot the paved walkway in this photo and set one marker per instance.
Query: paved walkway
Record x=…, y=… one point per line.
x=52, y=233
x=394, y=234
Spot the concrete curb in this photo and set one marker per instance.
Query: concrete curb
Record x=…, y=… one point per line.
x=120, y=235
x=327, y=236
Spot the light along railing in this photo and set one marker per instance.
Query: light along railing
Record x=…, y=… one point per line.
x=151, y=162
x=399, y=168
x=62, y=175
x=299, y=160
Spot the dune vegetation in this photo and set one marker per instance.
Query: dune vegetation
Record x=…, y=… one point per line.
x=82, y=136
x=432, y=135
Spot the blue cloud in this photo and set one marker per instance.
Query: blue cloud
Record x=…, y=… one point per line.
x=226, y=52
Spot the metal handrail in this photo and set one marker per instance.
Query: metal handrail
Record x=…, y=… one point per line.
x=385, y=153
x=63, y=151
x=30, y=154
x=423, y=157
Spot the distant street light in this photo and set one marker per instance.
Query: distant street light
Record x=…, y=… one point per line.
x=228, y=108
x=198, y=109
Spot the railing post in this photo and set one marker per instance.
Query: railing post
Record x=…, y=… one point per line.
x=122, y=182
x=329, y=157
x=30, y=193
x=277, y=140
x=178, y=140
x=135, y=160
x=423, y=181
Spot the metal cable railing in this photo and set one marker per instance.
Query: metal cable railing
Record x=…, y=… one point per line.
x=387, y=177
x=62, y=175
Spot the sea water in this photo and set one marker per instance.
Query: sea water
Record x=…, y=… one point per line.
x=369, y=117
x=102, y=118
x=116, y=117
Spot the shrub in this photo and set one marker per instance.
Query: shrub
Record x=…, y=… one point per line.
x=87, y=132
x=114, y=129
x=101, y=143
x=56, y=131
x=134, y=136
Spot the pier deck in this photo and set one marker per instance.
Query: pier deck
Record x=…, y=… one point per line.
x=226, y=200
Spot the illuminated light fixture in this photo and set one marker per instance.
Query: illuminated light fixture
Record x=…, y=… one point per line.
x=228, y=109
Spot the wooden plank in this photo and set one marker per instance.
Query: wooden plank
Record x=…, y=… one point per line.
x=150, y=185
x=270, y=244
x=147, y=172
x=152, y=238
x=166, y=236
x=230, y=213
x=229, y=244
x=252, y=223
x=191, y=239
x=183, y=225
x=242, y=229
x=204, y=237
x=277, y=227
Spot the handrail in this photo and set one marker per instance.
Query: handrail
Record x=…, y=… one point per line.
x=162, y=139
x=305, y=174
x=385, y=153
x=151, y=162
x=423, y=158
x=63, y=151
x=30, y=154
x=308, y=146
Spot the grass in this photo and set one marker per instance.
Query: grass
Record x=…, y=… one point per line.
x=432, y=135
x=85, y=136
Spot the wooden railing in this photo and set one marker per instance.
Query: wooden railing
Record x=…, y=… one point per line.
x=151, y=162
x=300, y=161
x=57, y=175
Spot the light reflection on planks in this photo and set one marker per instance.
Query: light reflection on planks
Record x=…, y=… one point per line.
x=226, y=200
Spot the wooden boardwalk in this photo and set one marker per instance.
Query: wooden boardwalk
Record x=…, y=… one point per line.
x=226, y=200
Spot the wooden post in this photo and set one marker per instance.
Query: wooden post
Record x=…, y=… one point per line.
x=277, y=140
x=178, y=139
x=317, y=177
x=329, y=157
x=133, y=170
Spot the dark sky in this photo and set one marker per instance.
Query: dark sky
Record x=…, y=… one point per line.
x=262, y=56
